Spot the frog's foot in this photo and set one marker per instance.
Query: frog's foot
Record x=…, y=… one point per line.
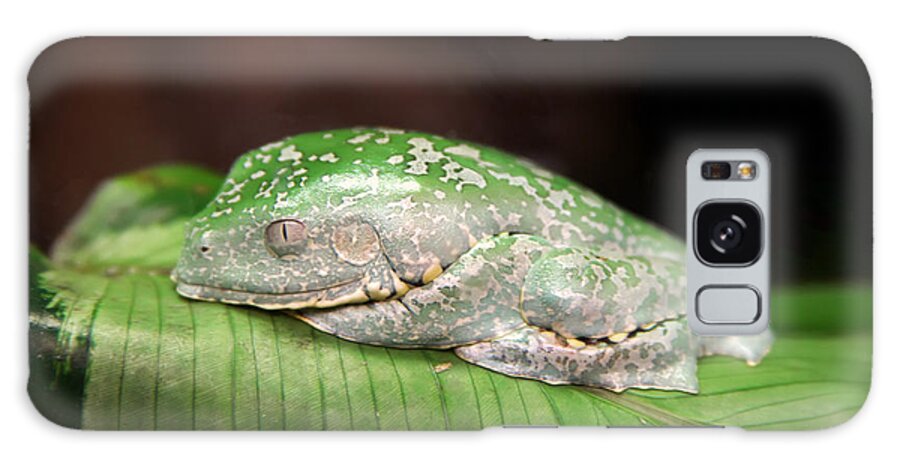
x=663, y=357
x=750, y=348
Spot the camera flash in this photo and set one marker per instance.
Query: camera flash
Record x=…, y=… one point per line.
x=746, y=170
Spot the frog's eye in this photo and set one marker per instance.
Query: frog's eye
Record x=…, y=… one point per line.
x=285, y=237
x=356, y=243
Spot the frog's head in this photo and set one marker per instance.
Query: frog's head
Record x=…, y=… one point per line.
x=288, y=232
x=283, y=261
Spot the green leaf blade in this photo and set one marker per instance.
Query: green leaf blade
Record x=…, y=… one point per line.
x=175, y=378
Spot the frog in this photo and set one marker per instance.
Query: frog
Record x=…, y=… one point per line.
x=406, y=239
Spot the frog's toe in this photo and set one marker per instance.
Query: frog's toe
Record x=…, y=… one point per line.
x=662, y=358
x=750, y=348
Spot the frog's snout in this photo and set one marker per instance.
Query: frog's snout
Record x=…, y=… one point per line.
x=195, y=251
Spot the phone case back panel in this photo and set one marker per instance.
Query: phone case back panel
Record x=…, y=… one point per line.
x=434, y=233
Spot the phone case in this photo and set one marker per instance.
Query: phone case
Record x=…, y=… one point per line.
x=435, y=233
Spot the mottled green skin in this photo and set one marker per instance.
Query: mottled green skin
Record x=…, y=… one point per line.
x=413, y=240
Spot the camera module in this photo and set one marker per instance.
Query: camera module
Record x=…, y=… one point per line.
x=728, y=233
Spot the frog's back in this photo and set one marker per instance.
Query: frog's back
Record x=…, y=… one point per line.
x=480, y=188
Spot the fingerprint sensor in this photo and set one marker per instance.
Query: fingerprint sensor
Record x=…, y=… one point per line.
x=721, y=304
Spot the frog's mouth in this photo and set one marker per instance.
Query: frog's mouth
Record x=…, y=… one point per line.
x=351, y=292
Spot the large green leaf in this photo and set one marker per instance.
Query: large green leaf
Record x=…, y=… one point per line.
x=126, y=352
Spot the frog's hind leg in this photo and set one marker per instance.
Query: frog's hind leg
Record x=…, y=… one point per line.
x=750, y=348
x=664, y=358
x=612, y=323
x=580, y=294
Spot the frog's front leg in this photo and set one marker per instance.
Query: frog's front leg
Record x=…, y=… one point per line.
x=476, y=298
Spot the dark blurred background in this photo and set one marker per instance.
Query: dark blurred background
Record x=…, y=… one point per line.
x=620, y=117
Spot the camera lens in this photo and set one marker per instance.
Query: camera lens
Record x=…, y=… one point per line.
x=728, y=233
x=716, y=170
